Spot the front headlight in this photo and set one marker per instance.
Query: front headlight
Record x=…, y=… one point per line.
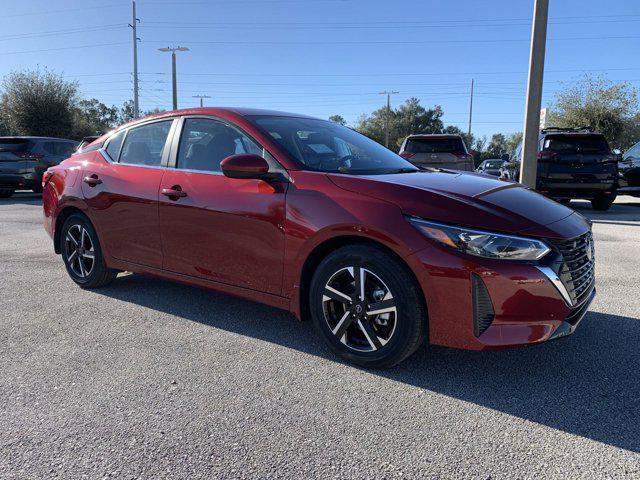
x=482, y=244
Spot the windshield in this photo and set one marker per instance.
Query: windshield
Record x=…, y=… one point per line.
x=328, y=147
x=13, y=144
x=576, y=144
x=493, y=164
x=435, y=145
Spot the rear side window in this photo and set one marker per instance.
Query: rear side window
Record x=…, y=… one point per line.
x=113, y=147
x=14, y=145
x=63, y=149
x=144, y=145
x=435, y=145
x=576, y=144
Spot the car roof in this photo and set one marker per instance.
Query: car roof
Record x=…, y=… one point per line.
x=213, y=111
x=216, y=111
x=434, y=135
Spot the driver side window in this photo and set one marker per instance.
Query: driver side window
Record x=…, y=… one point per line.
x=205, y=142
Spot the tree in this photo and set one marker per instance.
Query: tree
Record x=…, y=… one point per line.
x=93, y=117
x=126, y=112
x=38, y=102
x=513, y=140
x=611, y=109
x=339, y=119
x=408, y=118
x=497, y=146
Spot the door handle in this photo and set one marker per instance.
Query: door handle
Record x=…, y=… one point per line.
x=92, y=180
x=174, y=192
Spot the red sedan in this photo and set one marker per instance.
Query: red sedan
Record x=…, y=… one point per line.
x=312, y=217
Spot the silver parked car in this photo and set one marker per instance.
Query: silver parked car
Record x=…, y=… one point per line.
x=438, y=151
x=491, y=166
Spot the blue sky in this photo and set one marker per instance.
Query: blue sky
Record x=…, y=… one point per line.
x=325, y=57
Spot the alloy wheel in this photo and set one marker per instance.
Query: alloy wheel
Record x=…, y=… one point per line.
x=359, y=309
x=79, y=251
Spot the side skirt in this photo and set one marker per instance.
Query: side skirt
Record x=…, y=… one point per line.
x=246, y=293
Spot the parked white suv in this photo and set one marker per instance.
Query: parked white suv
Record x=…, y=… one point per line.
x=438, y=151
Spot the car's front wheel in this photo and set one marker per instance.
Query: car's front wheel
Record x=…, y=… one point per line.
x=367, y=306
x=82, y=254
x=6, y=192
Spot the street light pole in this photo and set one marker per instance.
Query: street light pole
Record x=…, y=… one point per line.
x=174, y=81
x=201, y=97
x=387, y=115
x=470, y=109
x=133, y=25
x=531, y=133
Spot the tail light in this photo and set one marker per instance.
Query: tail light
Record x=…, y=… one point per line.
x=46, y=177
x=406, y=155
x=547, y=155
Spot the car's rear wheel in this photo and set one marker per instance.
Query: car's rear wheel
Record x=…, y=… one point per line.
x=6, y=192
x=602, y=202
x=367, y=306
x=82, y=254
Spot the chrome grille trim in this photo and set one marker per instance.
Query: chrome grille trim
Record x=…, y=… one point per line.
x=576, y=270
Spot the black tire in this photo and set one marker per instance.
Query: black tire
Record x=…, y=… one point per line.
x=399, y=287
x=97, y=274
x=37, y=188
x=6, y=192
x=602, y=203
x=564, y=201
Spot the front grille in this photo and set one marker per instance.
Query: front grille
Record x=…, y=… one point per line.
x=483, y=313
x=577, y=267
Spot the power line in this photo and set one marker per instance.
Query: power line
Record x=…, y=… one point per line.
x=371, y=74
x=408, y=22
x=386, y=42
x=338, y=26
x=65, y=48
x=21, y=36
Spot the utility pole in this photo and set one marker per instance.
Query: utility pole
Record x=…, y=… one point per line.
x=174, y=81
x=388, y=114
x=529, y=161
x=470, y=109
x=201, y=97
x=133, y=25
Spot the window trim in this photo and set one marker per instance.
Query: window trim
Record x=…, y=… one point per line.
x=175, y=144
x=164, y=160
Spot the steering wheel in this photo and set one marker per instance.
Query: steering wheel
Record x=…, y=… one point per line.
x=344, y=160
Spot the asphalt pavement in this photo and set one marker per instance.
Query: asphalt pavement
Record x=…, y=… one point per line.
x=151, y=379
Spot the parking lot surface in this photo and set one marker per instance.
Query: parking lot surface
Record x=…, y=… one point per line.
x=149, y=379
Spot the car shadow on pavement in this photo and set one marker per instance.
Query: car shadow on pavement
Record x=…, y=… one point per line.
x=22, y=198
x=586, y=384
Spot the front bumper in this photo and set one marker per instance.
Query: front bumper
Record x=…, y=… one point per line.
x=527, y=307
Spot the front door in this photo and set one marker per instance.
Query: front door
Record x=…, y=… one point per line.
x=123, y=192
x=218, y=228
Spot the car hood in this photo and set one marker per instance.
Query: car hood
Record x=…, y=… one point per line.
x=469, y=199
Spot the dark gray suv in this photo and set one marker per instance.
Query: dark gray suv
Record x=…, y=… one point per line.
x=23, y=160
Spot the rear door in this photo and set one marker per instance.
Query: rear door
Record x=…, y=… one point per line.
x=122, y=191
x=438, y=152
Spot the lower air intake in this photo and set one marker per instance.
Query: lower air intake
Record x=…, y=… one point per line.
x=483, y=313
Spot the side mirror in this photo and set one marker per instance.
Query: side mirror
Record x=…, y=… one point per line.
x=505, y=157
x=245, y=166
